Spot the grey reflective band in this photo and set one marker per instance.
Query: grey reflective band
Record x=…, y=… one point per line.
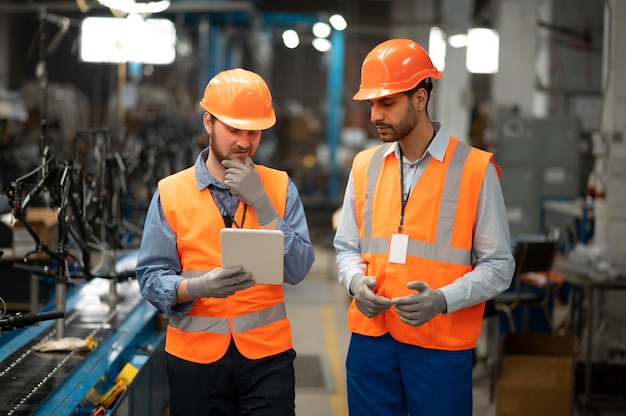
x=200, y=324
x=220, y=325
x=259, y=318
x=240, y=324
x=373, y=171
x=441, y=249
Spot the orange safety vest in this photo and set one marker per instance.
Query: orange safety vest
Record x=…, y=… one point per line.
x=255, y=317
x=439, y=219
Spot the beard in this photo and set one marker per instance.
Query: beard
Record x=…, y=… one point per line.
x=219, y=154
x=402, y=129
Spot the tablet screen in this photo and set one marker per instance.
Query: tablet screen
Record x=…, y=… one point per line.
x=260, y=252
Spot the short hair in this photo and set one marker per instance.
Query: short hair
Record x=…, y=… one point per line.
x=426, y=83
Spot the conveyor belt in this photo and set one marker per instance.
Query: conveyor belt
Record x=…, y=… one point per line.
x=28, y=377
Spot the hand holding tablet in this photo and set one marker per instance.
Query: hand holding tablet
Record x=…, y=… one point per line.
x=260, y=252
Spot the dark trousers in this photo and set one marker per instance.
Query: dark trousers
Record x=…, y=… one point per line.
x=233, y=386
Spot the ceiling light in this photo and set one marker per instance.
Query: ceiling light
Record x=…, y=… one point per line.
x=291, y=38
x=458, y=41
x=437, y=48
x=338, y=22
x=130, y=6
x=483, y=47
x=321, y=44
x=321, y=30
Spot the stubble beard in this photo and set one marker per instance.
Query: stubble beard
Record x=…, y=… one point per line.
x=402, y=129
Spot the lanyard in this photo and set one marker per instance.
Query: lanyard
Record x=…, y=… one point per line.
x=404, y=197
x=228, y=219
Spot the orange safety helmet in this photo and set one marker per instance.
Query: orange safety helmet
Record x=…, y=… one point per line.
x=394, y=66
x=241, y=99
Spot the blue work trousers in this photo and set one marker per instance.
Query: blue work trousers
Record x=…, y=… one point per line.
x=389, y=378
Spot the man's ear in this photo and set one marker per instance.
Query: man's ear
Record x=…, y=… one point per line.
x=420, y=98
x=207, y=121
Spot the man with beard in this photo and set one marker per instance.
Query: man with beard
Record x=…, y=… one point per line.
x=228, y=343
x=422, y=243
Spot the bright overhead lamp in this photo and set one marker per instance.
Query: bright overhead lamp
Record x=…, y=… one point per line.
x=458, y=40
x=131, y=39
x=321, y=30
x=130, y=6
x=338, y=22
x=483, y=49
x=437, y=47
x=321, y=44
x=291, y=38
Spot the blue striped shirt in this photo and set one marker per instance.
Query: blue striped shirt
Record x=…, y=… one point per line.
x=158, y=264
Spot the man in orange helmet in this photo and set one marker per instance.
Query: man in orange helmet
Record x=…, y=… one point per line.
x=228, y=343
x=422, y=243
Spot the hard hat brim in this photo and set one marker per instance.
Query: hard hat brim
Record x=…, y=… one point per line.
x=253, y=124
x=370, y=94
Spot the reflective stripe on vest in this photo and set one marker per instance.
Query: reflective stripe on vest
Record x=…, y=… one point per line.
x=220, y=325
x=243, y=323
x=441, y=250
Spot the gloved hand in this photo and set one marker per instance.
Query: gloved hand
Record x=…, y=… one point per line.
x=219, y=282
x=418, y=308
x=369, y=303
x=244, y=182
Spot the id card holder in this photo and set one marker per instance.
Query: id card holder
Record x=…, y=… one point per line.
x=398, y=248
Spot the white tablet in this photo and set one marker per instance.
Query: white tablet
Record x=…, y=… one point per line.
x=260, y=252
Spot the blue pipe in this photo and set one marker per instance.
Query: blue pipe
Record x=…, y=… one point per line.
x=335, y=109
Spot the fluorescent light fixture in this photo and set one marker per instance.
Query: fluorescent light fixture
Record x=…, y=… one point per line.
x=291, y=38
x=132, y=39
x=338, y=22
x=321, y=30
x=130, y=6
x=437, y=47
x=458, y=41
x=483, y=48
x=321, y=44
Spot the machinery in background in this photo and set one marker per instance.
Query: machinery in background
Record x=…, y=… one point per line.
x=90, y=259
x=123, y=374
x=540, y=160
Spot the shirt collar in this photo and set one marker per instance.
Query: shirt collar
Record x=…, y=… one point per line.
x=204, y=178
x=436, y=148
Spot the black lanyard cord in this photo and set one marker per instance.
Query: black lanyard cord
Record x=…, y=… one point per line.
x=404, y=196
x=225, y=214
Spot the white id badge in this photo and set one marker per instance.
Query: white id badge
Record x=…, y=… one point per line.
x=398, y=248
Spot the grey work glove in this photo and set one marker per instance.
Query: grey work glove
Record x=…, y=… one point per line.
x=369, y=303
x=418, y=308
x=244, y=182
x=219, y=282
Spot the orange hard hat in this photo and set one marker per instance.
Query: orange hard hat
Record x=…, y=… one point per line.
x=394, y=66
x=241, y=99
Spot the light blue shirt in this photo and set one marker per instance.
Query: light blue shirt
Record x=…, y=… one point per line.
x=158, y=264
x=491, y=248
